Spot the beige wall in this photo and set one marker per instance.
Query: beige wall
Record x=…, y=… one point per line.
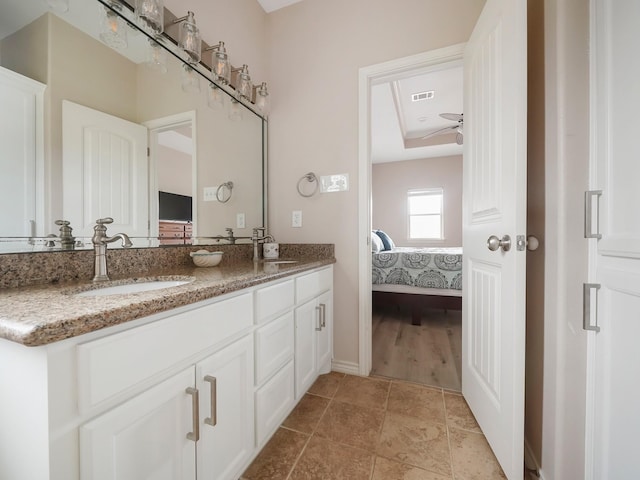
x=390, y=183
x=316, y=48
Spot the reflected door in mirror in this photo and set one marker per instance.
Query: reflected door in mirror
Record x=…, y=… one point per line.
x=105, y=171
x=20, y=146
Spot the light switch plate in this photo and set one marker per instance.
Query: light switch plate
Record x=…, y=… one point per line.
x=334, y=183
x=209, y=194
x=296, y=218
x=240, y=220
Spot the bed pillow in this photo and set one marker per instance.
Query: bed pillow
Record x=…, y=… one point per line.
x=386, y=240
x=376, y=243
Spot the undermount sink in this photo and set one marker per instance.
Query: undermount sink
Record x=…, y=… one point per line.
x=280, y=262
x=137, y=287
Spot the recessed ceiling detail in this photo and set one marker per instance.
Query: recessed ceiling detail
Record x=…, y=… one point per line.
x=402, y=114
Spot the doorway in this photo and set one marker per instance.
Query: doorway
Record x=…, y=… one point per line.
x=173, y=179
x=369, y=77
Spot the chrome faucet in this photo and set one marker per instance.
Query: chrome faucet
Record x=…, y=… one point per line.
x=100, y=241
x=258, y=238
x=67, y=240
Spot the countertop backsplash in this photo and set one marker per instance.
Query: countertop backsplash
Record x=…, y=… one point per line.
x=26, y=269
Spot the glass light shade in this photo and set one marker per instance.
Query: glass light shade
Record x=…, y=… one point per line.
x=262, y=99
x=113, y=29
x=190, y=79
x=244, y=87
x=189, y=39
x=59, y=6
x=220, y=64
x=156, y=57
x=151, y=14
x=235, y=110
x=215, y=97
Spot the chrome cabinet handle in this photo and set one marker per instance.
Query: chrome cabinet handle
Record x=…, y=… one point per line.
x=323, y=315
x=494, y=243
x=195, y=403
x=319, y=310
x=213, y=420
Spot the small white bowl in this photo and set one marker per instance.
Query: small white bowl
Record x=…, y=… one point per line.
x=204, y=258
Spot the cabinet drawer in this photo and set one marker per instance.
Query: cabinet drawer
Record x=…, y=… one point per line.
x=171, y=227
x=274, y=346
x=273, y=300
x=313, y=284
x=274, y=401
x=111, y=365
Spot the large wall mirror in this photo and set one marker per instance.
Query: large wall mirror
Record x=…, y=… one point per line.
x=150, y=145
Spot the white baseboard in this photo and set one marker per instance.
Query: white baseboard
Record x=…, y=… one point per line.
x=350, y=368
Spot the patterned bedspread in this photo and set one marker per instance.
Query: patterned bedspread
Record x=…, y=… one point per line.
x=419, y=267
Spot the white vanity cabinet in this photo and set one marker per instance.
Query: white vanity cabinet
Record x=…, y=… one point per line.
x=313, y=328
x=194, y=392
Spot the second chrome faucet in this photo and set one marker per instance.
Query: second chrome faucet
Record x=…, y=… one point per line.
x=100, y=241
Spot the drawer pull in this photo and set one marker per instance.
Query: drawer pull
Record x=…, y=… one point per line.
x=195, y=405
x=213, y=420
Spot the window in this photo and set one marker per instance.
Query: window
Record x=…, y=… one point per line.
x=425, y=213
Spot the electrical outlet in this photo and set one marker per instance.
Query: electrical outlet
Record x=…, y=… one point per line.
x=209, y=194
x=240, y=220
x=296, y=218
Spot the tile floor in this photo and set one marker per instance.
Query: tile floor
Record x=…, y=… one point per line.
x=352, y=428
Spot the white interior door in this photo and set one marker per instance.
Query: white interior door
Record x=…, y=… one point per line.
x=613, y=420
x=105, y=172
x=494, y=204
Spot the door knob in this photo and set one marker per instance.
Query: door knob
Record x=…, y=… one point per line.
x=494, y=243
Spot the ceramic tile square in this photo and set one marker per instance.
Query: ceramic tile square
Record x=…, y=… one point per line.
x=459, y=414
x=472, y=457
x=363, y=391
x=386, y=469
x=306, y=415
x=417, y=401
x=351, y=424
x=326, y=385
x=326, y=460
x=277, y=458
x=416, y=442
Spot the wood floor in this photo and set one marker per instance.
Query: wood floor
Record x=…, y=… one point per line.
x=429, y=354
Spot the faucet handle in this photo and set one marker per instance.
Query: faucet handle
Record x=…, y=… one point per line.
x=229, y=231
x=106, y=220
x=62, y=223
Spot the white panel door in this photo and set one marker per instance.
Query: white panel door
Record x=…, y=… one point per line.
x=225, y=382
x=104, y=171
x=324, y=336
x=613, y=420
x=145, y=437
x=20, y=125
x=494, y=185
x=306, y=322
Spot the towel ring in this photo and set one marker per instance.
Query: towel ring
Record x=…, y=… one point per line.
x=229, y=186
x=309, y=177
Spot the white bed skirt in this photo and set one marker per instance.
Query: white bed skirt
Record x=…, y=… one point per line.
x=444, y=292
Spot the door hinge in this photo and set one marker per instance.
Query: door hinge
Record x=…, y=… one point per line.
x=588, y=213
x=586, y=307
x=148, y=152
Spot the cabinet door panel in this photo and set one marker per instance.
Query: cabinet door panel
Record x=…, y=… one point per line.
x=225, y=448
x=274, y=401
x=324, y=337
x=306, y=318
x=144, y=438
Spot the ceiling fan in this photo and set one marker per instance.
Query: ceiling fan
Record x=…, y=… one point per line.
x=457, y=127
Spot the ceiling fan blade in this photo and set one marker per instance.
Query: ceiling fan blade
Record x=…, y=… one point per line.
x=439, y=131
x=455, y=117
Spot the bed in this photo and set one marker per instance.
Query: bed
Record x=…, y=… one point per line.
x=418, y=277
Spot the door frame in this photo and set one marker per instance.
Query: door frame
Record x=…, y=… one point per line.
x=159, y=125
x=368, y=77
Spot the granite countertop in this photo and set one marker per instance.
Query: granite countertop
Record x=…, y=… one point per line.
x=43, y=314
